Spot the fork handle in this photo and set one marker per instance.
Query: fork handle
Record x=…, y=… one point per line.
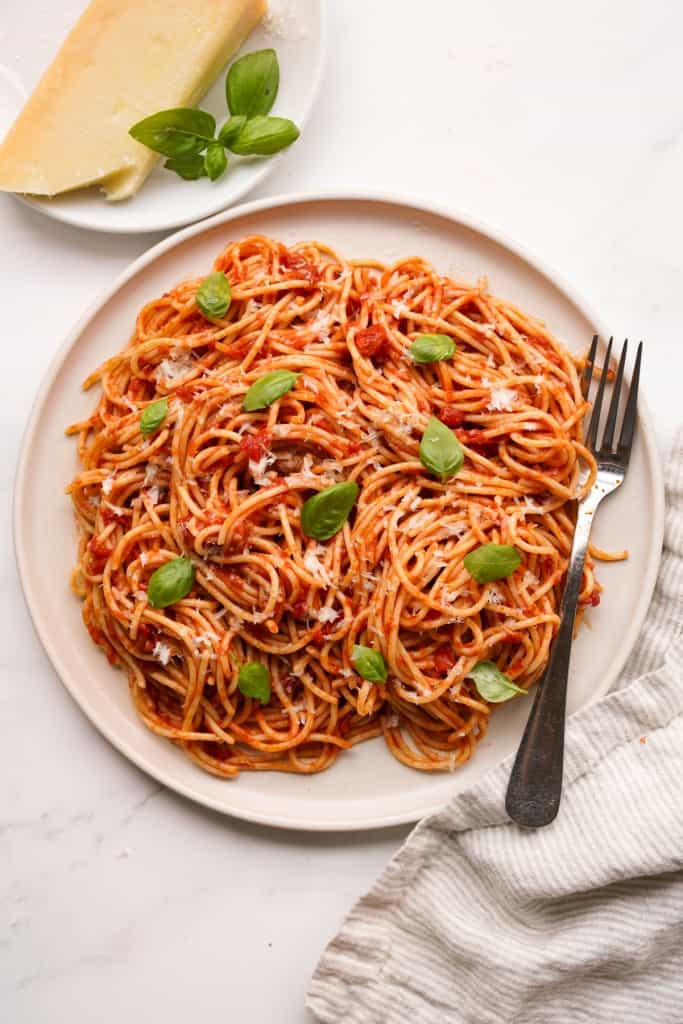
x=535, y=787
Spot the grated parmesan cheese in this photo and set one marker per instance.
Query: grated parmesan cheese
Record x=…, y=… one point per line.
x=150, y=473
x=259, y=469
x=327, y=615
x=501, y=399
x=418, y=522
x=144, y=558
x=321, y=324
x=282, y=21
x=495, y=596
x=175, y=368
x=313, y=564
x=162, y=652
x=455, y=529
x=107, y=484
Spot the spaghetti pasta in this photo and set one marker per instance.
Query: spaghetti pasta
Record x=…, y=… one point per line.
x=225, y=488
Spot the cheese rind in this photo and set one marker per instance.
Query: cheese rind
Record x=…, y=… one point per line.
x=122, y=61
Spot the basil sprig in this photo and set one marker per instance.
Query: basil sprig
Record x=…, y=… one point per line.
x=153, y=416
x=215, y=160
x=440, y=451
x=252, y=83
x=176, y=132
x=492, y=684
x=369, y=663
x=431, y=348
x=230, y=130
x=491, y=562
x=325, y=513
x=267, y=389
x=190, y=166
x=214, y=295
x=264, y=136
x=171, y=582
x=188, y=138
x=253, y=680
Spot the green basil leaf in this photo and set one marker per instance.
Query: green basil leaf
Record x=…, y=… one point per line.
x=325, y=513
x=492, y=684
x=153, y=416
x=254, y=681
x=369, y=664
x=171, y=582
x=231, y=129
x=267, y=389
x=431, y=348
x=491, y=562
x=252, y=82
x=440, y=451
x=215, y=160
x=263, y=136
x=214, y=295
x=176, y=132
x=190, y=167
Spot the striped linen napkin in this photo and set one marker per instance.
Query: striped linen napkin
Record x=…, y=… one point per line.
x=476, y=920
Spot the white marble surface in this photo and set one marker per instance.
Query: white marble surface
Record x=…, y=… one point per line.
x=561, y=125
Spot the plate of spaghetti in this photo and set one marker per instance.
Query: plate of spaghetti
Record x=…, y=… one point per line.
x=319, y=510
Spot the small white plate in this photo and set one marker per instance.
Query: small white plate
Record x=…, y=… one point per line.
x=367, y=787
x=32, y=33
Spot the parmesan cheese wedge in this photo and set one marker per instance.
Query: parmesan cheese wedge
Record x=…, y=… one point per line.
x=124, y=60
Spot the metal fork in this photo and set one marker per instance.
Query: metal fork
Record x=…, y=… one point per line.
x=535, y=787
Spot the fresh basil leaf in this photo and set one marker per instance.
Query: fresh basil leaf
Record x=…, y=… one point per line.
x=369, y=664
x=252, y=82
x=263, y=136
x=231, y=129
x=189, y=167
x=440, y=451
x=177, y=132
x=214, y=295
x=325, y=513
x=491, y=562
x=267, y=389
x=431, y=348
x=171, y=582
x=253, y=680
x=492, y=684
x=153, y=416
x=215, y=160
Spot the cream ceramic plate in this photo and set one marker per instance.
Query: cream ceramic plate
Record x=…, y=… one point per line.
x=33, y=34
x=366, y=787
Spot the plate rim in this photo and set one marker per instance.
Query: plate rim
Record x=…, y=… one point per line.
x=414, y=205
x=42, y=205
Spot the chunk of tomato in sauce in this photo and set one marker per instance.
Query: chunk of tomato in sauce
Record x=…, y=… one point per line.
x=300, y=267
x=443, y=660
x=477, y=440
x=451, y=416
x=255, y=445
x=371, y=341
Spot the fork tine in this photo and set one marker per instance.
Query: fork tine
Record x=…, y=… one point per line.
x=608, y=436
x=597, y=405
x=629, y=425
x=587, y=374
